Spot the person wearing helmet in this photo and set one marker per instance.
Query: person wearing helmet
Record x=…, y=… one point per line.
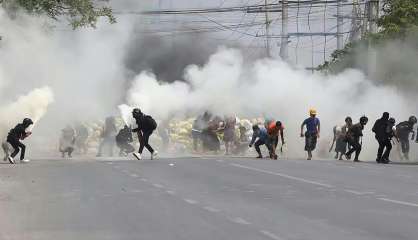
x=403, y=131
x=275, y=129
x=382, y=135
x=14, y=138
x=313, y=129
x=354, y=134
x=260, y=137
x=146, y=126
x=340, y=138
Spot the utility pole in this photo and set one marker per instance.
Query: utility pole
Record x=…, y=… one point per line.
x=373, y=15
x=284, y=52
x=267, y=30
x=355, y=22
x=365, y=21
x=340, y=35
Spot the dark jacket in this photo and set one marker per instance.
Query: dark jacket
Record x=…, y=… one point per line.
x=145, y=124
x=380, y=127
x=124, y=136
x=18, y=132
x=355, y=131
x=403, y=129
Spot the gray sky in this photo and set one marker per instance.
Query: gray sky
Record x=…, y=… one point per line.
x=304, y=19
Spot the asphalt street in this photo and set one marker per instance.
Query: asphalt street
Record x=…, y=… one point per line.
x=210, y=198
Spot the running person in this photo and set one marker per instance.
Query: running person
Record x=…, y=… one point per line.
x=403, y=131
x=146, y=126
x=354, y=135
x=313, y=129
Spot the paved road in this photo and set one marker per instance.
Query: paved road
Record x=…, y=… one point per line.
x=208, y=198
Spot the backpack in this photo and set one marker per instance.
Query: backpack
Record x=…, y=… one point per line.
x=403, y=127
x=150, y=122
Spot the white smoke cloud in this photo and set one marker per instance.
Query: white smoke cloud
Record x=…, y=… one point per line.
x=33, y=105
x=269, y=88
x=83, y=68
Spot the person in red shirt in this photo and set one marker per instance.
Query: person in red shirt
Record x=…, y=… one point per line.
x=274, y=129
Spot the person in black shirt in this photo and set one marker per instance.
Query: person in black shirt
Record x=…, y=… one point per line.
x=382, y=137
x=15, y=136
x=146, y=126
x=354, y=134
x=123, y=140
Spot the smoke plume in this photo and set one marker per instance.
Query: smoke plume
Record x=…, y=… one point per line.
x=268, y=88
x=33, y=105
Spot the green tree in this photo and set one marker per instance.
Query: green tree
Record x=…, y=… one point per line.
x=400, y=18
x=399, y=22
x=80, y=13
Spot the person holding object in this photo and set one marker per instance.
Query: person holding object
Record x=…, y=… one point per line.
x=14, y=138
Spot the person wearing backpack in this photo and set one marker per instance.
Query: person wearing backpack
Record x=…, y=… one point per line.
x=146, y=126
x=403, y=130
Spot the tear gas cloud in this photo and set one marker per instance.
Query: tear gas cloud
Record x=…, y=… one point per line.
x=227, y=85
x=83, y=69
x=33, y=105
x=167, y=56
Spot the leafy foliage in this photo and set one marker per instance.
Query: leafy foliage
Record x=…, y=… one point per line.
x=399, y=22
x=80, y=13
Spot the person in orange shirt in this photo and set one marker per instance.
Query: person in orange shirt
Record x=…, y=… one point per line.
x=275, y=128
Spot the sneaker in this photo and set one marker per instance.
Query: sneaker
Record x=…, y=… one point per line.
x=137, y=156
x=385, y=161
x=259, y=156
x=348, y=156
x=154, y=155
x=11, y=160
x=25, y=161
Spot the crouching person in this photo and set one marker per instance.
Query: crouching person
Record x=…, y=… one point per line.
x=260, y=137
x=14, y=138
x=124, y=140
x=67, y=141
